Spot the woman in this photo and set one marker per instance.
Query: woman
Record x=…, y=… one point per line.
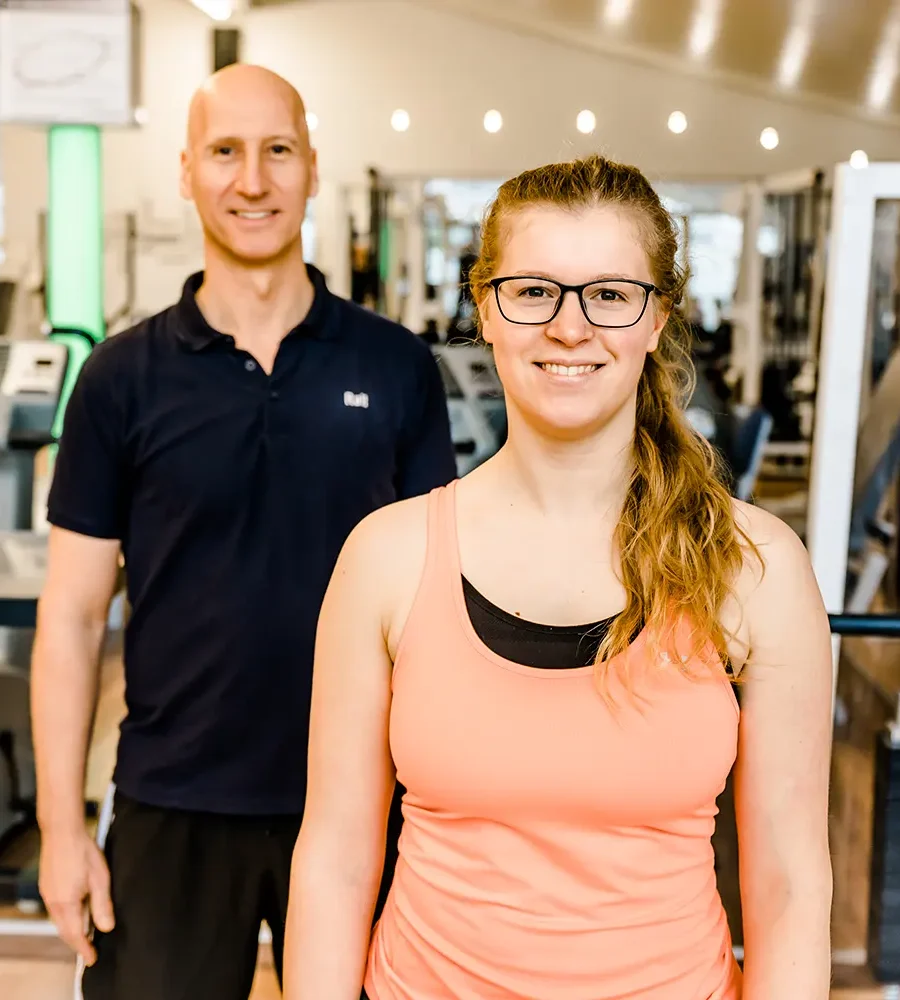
x=562, y=777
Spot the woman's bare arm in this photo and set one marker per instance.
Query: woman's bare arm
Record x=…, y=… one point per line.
x=782, y=775
x=339, y=855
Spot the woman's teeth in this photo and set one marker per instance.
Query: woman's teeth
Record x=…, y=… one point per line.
x=570, y=370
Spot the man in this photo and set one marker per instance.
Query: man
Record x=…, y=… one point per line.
x=227, y=446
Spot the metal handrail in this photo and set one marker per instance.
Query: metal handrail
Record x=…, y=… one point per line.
x=881, y=626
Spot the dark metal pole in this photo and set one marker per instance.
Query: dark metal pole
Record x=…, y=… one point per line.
x=882, y=626
x=883, y=944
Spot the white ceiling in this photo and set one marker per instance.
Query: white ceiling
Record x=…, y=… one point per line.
x=842, y=54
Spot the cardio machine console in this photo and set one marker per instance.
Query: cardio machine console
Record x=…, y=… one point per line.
x=32, y=374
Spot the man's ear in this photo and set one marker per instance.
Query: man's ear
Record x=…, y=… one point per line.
x=313, y=173
x=184, y=184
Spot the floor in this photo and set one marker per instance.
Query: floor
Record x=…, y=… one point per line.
x=53, y=980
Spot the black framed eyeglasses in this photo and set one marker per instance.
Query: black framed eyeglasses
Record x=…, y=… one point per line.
x=613, y=303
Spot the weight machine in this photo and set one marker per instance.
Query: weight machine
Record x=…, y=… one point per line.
x=777, y=314
x=853, y=438
x=853, y=463
x=475, y=402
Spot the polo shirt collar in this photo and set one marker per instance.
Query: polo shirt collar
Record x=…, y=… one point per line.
x=195, y=333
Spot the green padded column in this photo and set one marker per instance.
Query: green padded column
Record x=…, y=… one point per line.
x=75, y=285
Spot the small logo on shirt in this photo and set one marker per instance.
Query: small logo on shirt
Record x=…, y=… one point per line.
x=360, y=399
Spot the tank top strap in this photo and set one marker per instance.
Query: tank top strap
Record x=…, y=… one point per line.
x=442, y=561
x=433, y=609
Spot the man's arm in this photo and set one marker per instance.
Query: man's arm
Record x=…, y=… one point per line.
x=427, y=455
x=87, y=511
x=781, y=777
x=71, y=624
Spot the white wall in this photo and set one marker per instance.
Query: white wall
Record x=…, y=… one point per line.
x=358, y=60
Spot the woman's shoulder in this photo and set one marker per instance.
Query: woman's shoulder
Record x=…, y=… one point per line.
x=387, y=549
x=392, y=530
x=776, y=564
x=771, y=537
x=775, y=585
x=386, y=556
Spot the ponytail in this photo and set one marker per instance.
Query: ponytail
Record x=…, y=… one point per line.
x=678, y=546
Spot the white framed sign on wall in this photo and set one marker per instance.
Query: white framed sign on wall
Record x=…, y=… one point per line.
x=69, y=62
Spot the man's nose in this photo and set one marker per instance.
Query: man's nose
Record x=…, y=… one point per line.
x=251, y=179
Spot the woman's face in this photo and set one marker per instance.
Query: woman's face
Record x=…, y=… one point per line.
x=565, y=373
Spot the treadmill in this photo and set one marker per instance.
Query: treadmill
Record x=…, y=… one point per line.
x=32, y=376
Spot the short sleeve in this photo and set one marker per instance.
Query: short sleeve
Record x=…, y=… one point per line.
x=428, y=457
x=90, y=479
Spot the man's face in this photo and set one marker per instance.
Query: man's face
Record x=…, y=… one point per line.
x=249, y=170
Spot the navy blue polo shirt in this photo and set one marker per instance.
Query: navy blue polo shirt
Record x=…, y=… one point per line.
x=232, y=492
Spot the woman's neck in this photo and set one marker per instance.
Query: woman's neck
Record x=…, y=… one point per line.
x=570, y=479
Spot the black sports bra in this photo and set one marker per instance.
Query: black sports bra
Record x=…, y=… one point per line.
x=559, y=647
x=532, y=645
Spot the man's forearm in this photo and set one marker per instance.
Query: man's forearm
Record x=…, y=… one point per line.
x=64, y=680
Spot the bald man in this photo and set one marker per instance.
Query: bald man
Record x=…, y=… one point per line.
x=225, y=447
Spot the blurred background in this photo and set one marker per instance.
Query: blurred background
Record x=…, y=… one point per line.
x=771, y=128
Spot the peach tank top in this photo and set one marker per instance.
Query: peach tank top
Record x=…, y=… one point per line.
x=553, y=848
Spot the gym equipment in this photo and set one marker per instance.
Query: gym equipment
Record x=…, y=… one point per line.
x=32, y=378
x=872, y=534
x=883, y=945
x=475, y=401
x=369, y=249
x=777, y=314
x=880, y=626
x=7, y=296
x=791, y=298
x=751, y=435
x=844, y=461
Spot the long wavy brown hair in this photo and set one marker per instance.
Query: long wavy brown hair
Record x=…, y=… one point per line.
x=678, y=545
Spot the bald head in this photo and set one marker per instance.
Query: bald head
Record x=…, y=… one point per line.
x=239, y=89
x=249, y=166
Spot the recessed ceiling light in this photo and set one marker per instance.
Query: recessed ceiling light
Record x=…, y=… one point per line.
x=859, y=159
x=886, y=65
x=586, y=122
x=705, y=27
x=312, y=121
x=768, y=138
x=677, y=122
x=400, y=120
x=141, y=116
x=617, y=11
x=493, y=121
x=218, y=10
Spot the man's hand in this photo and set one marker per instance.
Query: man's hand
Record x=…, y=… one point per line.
x=74, y=881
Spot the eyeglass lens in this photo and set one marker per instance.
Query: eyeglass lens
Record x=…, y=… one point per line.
x=607, y=303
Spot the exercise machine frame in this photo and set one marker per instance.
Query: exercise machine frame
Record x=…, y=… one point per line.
x=842, y=359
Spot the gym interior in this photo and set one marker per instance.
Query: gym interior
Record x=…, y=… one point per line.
x=772, y=132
